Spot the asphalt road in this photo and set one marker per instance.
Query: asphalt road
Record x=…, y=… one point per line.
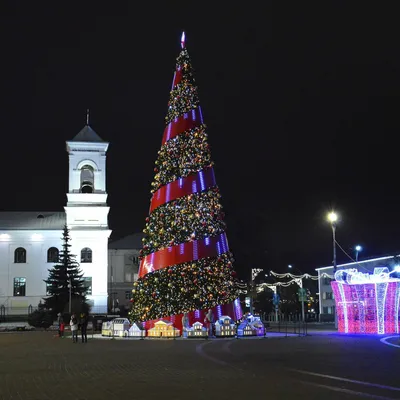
x=37, y=366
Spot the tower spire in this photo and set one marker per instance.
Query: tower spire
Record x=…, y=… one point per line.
x=87, y=117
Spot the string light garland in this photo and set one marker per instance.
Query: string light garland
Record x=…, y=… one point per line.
x=294, y=280
x=195, y=216
x=184, y=96
x=304, y=276
x=185, y=287
x=181, y=156
x=185, y=221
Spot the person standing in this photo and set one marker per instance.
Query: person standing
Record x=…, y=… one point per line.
x=60, y=321
x=73, y=323
x=84, y=323
x=209, y=320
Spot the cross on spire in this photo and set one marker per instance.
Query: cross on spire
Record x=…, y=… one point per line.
x=87, y=117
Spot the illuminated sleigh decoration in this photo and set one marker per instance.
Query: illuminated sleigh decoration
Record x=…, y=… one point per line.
x=367, y=303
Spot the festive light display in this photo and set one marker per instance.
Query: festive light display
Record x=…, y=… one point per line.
x=186, y=265
x=294, y=280
x=367, y=303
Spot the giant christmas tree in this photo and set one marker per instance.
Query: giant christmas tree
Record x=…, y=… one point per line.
x=186, y=265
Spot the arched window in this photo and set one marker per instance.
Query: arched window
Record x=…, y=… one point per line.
x=20, y=255
x=87, y=179
x=52, y=255
x=86, y=255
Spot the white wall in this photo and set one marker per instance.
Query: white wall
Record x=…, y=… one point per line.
x=119, y=264
x=97, y=241
x=35, y=270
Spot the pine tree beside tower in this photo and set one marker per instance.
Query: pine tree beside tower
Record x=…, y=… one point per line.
x=185, y=264
x=64, y=273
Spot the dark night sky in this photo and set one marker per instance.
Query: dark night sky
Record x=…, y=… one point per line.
x=301, y=106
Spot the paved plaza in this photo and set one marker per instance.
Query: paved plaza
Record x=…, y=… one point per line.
x=35, y=365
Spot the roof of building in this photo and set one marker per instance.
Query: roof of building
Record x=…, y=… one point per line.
x=133, y=241
x=32, y=220
x=87, y=134
x=354, y=264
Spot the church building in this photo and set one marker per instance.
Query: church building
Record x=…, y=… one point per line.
x=30, y=241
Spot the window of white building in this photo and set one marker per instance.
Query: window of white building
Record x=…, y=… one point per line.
x=20, y=255
x=128, y=276
x=86, y=255
x=327, y=296
x=52, y=255
x=19, y=287
x=88, y=284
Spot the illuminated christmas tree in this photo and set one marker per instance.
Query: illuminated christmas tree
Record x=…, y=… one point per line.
x=186, y=264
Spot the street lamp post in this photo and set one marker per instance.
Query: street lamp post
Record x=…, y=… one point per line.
x=299, y=281
x=332, y=218
x=70, y=296
x=254, y=273
x=358, y=248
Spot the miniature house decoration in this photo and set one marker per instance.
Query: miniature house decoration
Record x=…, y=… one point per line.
x=197, y=331
x=136, y=330
x=245, y=329
x=251, y=326
x=116, y=327
x=106, y=328
x=163, y=328
x=120, y=326
x=225, y=326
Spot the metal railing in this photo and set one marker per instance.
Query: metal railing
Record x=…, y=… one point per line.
x=289, y=328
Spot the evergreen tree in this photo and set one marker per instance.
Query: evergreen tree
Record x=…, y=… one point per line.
x=66, y=272
x=186, y=264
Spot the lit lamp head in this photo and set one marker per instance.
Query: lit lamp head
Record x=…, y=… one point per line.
x=332, y=217
x=358, y=248
x=289, y=266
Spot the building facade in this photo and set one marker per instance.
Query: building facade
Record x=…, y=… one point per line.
x=123, y=267
x=30, y=241
x=325, y=274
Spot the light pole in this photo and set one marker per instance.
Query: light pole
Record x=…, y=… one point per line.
x=332, y=218
x=70, y=296
x=254, y=273
x=299, y=281
x=358, y=248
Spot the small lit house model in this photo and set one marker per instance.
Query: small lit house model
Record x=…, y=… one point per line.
x=251, y=326
x=116, y=327
x=163, y=328
x=246, y=329
x=225, y=326
x=197, y=331
x=106, y=328
x=136, y=330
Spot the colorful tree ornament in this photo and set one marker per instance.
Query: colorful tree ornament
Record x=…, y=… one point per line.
x=186, y=265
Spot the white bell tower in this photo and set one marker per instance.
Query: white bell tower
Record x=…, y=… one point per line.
x=87, y=212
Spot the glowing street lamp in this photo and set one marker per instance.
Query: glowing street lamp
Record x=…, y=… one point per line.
x=358, y=248
x=332, y=218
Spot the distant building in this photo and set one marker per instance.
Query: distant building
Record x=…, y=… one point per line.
x=30, y=241
x=123, y=267
x=326, y=298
